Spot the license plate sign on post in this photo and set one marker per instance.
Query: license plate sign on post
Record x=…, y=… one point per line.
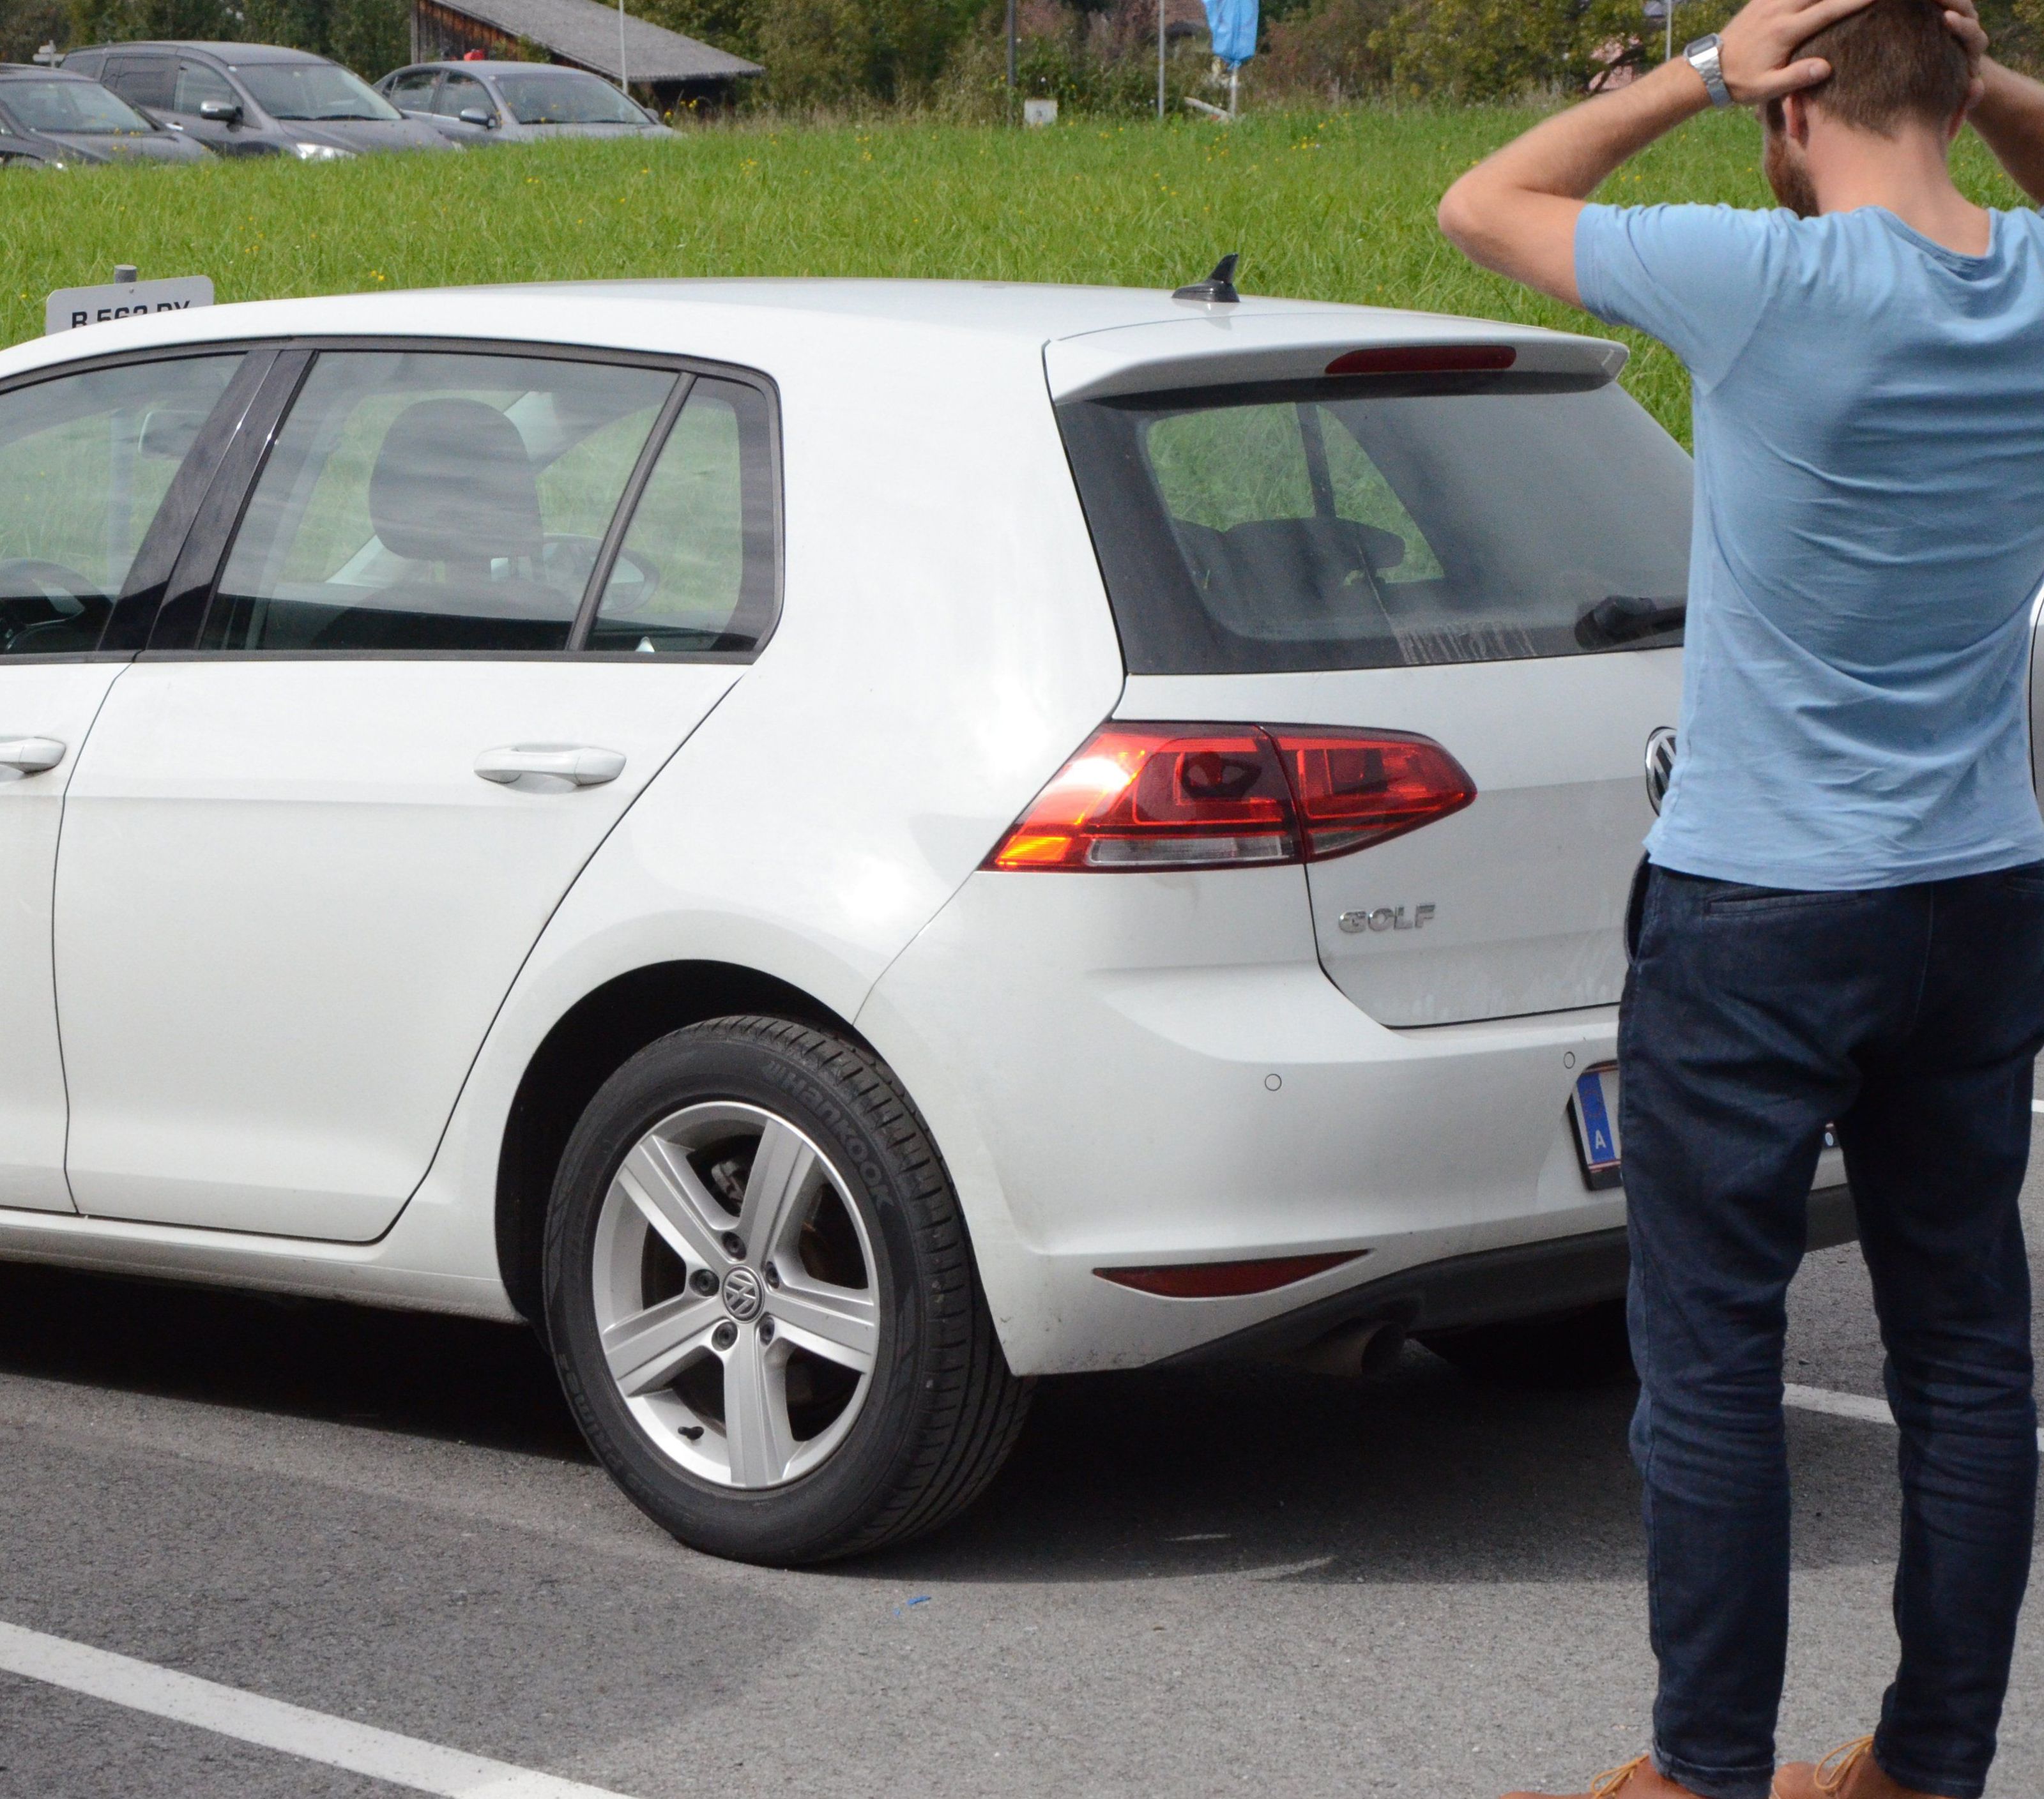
x=1593, y=1110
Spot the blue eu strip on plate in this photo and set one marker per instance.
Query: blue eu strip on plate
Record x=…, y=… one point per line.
x=1594, y=1111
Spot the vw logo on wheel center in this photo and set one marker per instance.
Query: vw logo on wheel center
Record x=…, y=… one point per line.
x=743, y=1295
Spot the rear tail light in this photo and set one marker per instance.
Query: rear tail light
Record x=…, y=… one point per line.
x=1158, y=796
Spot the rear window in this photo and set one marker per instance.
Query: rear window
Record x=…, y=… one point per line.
x=1382, y=521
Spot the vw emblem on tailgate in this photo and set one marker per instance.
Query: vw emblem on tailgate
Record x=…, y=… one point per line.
x=1660, y=764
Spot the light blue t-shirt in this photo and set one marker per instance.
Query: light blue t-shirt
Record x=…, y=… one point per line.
x=1869, y=533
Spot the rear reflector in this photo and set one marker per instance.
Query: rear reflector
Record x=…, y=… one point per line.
x=1425, y=358
x=1223, y=1280
x=1171, y=796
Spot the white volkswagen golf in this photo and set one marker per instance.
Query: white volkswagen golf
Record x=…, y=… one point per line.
x=835, y=846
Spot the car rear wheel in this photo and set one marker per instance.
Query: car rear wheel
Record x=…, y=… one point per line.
x=1585, y=1347
x=761, y=1302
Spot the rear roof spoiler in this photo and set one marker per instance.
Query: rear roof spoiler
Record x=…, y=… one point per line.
x=1220, y=351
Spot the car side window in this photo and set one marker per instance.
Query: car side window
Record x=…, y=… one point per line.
x=197, y=84
x=463, y=94
x=697, y=569
x=143, y=81
x=431, y=501
x=413, y=88
x=85, y=463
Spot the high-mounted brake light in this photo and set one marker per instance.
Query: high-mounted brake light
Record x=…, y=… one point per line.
x=1426, y=358
x=1159, y=796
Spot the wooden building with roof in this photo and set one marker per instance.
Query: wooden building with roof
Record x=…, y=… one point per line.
x=660, y=65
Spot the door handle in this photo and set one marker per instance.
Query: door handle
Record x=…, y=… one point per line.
x=30, y=755
x=578, y=764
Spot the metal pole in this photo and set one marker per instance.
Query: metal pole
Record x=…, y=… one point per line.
x=1160, y=61
x=1011, y=61
x=623, y=86
x=1234, y=89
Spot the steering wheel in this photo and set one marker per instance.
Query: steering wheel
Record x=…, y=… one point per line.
x=79, y=606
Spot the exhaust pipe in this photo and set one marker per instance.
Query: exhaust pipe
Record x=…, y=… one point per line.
x=1355, y=1351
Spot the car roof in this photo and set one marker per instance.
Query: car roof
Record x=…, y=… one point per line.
x=234, y=53
x=500, y=66
x=1088, y=339
x=24, y=71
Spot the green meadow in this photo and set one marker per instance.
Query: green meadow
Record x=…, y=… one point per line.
x=1327, y=206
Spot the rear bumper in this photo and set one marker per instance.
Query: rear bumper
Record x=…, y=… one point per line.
x=1492, y=1287
x=1127, y=1070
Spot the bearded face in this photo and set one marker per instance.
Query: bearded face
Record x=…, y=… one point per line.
x=1788, y=170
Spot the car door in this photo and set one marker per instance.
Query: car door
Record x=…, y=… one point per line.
x=460, y=94
x=200, y=86
x=92, y=510
x=143, y=78
x=411, y=92
x=384, y=724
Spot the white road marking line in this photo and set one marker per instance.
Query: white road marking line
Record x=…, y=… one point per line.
x=226, y=1711
x=2037, y=1105
x=1838, y=1405
x=1846, y=1405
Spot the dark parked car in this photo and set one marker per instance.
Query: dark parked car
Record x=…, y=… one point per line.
x=255, y=99
x=55, y=117
x=515, y=102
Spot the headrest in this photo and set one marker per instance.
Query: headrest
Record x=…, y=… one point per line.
x=453, y=484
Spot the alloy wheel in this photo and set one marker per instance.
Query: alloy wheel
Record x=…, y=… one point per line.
x=736, y=1295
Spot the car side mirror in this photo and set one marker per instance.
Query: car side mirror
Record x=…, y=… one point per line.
x=475, y=116
x=221, y=112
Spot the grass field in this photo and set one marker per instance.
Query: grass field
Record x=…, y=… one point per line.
x=1335, y=206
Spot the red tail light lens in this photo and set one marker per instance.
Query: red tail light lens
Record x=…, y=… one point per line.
x=1160, y=797
x=1355, y=788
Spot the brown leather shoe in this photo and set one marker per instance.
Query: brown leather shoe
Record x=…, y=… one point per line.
x=1849, y=1772
x=1638, y=1779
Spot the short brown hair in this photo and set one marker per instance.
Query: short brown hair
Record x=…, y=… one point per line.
x=1895, y=60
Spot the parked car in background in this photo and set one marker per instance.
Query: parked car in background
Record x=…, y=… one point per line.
x=255, y=99
x=517, y=102
x=57, y=117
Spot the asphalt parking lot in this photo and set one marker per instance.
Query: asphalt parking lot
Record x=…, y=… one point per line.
x=1254, y=1581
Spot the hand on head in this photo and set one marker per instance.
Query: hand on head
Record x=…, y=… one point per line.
x=1758, y=58
x=1962, y=20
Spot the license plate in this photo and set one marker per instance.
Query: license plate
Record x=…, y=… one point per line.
x=1593, y=1108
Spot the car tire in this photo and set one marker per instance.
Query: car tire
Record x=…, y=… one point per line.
x=832, y=1386
x=1583, y=1348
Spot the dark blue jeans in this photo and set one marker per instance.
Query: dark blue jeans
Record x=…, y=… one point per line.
x=1911, y=1016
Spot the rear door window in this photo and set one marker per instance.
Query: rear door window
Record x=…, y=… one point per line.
x=143, y=80
x=1382, y=522
x=425, y=500
x=85, y=462
x=412, y=91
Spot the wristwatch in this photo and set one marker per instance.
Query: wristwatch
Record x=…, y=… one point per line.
x=1703, y=56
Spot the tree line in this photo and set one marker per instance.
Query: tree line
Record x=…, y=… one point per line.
x=1092, y=56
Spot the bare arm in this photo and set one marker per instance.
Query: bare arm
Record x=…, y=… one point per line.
x=1516, y=211
x=2009, y=115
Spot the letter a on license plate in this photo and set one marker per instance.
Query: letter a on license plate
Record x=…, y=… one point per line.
x=1593, y=1109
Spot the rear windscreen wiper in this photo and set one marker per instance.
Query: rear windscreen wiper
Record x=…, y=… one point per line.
x=1628, y=618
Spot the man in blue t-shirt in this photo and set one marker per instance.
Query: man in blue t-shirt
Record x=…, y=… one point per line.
x=1841, y=919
